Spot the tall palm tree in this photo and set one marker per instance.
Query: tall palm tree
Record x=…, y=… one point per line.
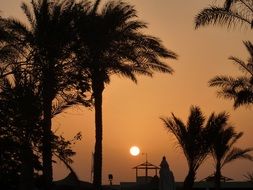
x=224, y=152
x=233, y=13
x=47, y=41
x=239, y=89
x=112, y=42
x=195, y=138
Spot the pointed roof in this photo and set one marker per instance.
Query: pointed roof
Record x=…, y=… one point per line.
x=146, y=165
x=71, y=180
x=212, y=178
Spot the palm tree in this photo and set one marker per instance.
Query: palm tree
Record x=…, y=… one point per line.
x=194, y=138
x=224, y=152
x=233, y=13
x=19, y=121
x=112, y=42
x=239, y=89
x=47, y=42
x=21, y=130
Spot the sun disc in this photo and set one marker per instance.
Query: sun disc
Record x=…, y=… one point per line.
x=134, y=151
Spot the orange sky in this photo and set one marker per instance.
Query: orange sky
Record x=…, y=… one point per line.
x=131, y=112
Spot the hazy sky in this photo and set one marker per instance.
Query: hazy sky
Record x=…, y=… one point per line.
x=131, y=112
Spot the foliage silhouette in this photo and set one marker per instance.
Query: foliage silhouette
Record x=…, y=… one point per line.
x=195, y=138
x=223, y=150
x=47, y=43
x=239, y=89
x=19, y=124
x=234, y=13
x=111, y=42
x=21, y=132
x=42, y=51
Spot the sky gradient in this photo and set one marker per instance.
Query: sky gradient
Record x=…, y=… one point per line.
x=131, y=112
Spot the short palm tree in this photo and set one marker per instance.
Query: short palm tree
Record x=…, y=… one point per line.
x=21, y=129
x=20, y=119
x=239, y=89
x=112, y=42
x=195, y=138
x=224, y=152
x=233, y=13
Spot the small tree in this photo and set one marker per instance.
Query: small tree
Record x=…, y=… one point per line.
x=224, y=152
x=194, y=138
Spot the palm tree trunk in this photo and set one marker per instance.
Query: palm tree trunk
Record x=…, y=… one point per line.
x=218, y=176
x=98, y=88
x=46, y=145
x=189, y=180
x=27, y=174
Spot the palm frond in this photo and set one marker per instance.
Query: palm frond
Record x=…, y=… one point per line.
x=95, y=6
x=222, y=81
x=235, y=138
x=249, y=47
x=243, y=66
x=176, y=127
x=237, y=153
x=20, y=28
x=61, y=104
x=195, y=120
x=131, y=26
x=228, y=4
x=154, y=44
x=221, y=140
x=120, y=10
x=28, y=13
x=219, y=16
x=124, y=70
x=244, y=97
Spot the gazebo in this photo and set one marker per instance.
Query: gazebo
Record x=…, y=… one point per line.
x=145, y=166
x=212, y=178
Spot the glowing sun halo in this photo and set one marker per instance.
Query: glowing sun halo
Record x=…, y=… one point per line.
x=134, y=151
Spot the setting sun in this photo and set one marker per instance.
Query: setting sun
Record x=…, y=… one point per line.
x=134, y=151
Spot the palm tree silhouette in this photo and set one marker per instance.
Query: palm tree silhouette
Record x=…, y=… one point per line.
x=47, y=42
x=224, y=152
x=239, y=89
x=112, y=43
x=21, y=130
x=20, y=116
x=233, y=13
x=194, y=138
